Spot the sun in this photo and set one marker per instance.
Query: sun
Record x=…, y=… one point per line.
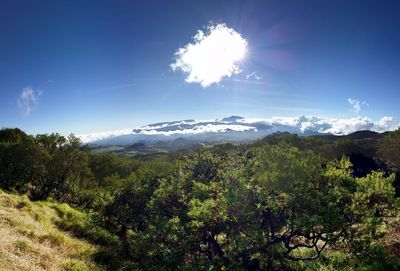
x=214, y=55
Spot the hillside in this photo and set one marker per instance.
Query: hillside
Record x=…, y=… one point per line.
x=285, y=202
x=30, y=239
x=365, y=138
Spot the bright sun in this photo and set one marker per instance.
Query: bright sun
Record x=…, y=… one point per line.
x=213, y=55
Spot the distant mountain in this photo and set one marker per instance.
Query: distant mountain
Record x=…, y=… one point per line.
x=140, y=146
x=191, y=133
x=232, y=119
x=366, y=134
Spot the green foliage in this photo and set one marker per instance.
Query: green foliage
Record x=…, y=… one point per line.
x=66, y=167
x=83, y=225
x=19, y=163
x=283, y=203
x=12, y=135
x=390, y=148
x=104, y=166
x=253, y=209
x=42, y=165
x=51, y=165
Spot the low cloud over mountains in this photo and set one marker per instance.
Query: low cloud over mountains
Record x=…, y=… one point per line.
x=240, y=128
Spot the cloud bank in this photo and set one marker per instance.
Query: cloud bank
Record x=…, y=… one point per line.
x=28, y=100
x=328, y=125
x=299, y=125
x=213, y=55
x=103, y=135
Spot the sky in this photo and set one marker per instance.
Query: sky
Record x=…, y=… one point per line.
x=95, y=66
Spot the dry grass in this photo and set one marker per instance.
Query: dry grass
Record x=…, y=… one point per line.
x=29, y=239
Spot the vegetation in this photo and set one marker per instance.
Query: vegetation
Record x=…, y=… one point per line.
x=390, y=149
x=282, y=203
x=30, y=239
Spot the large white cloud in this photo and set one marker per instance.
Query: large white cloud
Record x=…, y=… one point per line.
x=213, y=55
x=27, y=100
x=86, y=138
x=206, y=128
x=333, y=126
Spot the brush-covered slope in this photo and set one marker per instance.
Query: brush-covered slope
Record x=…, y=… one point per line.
x=30, y=239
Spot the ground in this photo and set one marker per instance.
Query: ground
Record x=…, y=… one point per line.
x=30, y=239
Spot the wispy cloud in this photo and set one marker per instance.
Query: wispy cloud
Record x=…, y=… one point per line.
x=253, y=75
x=356, y=104
x=28, y=100
x=213, y=55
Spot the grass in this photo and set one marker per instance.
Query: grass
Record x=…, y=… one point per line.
x=31, y=237
x=82, y=225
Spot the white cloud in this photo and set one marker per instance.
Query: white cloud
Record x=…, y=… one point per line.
x=356, y=104
x=253, y=75
x=213, y=55
x=207, y=128
x=300, y=125
x=327, y=125
x=103, y=135
x=27, y=100
x=387, y=124
x=347, y=126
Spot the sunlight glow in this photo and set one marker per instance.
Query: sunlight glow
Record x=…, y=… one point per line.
x=213, y=55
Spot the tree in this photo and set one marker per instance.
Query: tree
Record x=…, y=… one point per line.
x=389, y=149
x=66, y=167
x=21, y=163
x=104, y=166
x=127, y=211
x=257, y=209
x=14, y=135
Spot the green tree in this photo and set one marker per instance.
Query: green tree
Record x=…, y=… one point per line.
x=22, y=163
x=66, y=167
x=128, y=211
x=257, y=209
x=389, y=149
x=12, y=135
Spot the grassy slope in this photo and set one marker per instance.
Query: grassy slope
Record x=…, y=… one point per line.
x=30, y=239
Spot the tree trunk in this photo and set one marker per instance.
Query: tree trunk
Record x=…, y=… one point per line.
x=123, y=237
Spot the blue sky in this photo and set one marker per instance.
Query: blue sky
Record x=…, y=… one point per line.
x=92, y=66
